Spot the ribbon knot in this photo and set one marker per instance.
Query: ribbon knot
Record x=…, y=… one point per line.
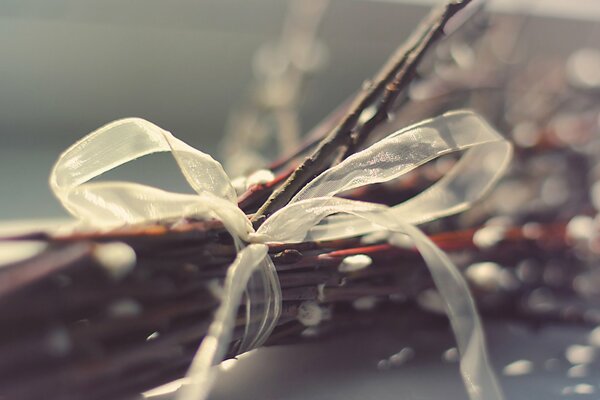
x=315, y=213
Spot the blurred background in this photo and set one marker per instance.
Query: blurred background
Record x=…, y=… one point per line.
x=70, y=66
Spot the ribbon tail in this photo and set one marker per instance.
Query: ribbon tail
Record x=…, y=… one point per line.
x=263, y=305
x=214, y=347
x=476, y=370
x=477, y=373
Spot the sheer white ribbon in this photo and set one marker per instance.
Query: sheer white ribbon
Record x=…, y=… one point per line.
x=313, y=214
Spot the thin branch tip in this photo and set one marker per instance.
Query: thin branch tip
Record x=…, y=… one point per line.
x=379, y=93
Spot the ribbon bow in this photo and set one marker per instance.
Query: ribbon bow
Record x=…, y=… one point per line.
x=315, y=213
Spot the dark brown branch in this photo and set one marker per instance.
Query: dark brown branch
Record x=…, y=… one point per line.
x=387, y=84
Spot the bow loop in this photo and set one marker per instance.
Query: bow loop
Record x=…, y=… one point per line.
x=487, y=156
x=111, y=203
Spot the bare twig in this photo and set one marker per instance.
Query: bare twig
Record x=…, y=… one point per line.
x=388, y=83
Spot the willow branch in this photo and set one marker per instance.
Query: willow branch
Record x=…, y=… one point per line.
x=387, y=84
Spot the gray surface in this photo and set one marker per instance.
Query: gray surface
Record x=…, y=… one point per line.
x=345, y=366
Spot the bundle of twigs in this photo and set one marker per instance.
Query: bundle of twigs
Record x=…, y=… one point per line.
x=100, y=315
x=77, y=326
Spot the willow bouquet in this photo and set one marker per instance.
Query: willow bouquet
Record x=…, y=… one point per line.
x=151, y=286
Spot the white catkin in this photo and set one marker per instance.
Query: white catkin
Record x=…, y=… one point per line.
x=239, y=184
x=375, y=237
x=486, y=275
x=259, y=177
x=117, y=258
x=310, y=314
x=488, y=236
x=517, y=368
x=584, y=388
x=354, y=263
x=451, y=355
x=578, y=371
x=365, y=303
x=15, y=251
x=578, y=354
x=594, y=337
